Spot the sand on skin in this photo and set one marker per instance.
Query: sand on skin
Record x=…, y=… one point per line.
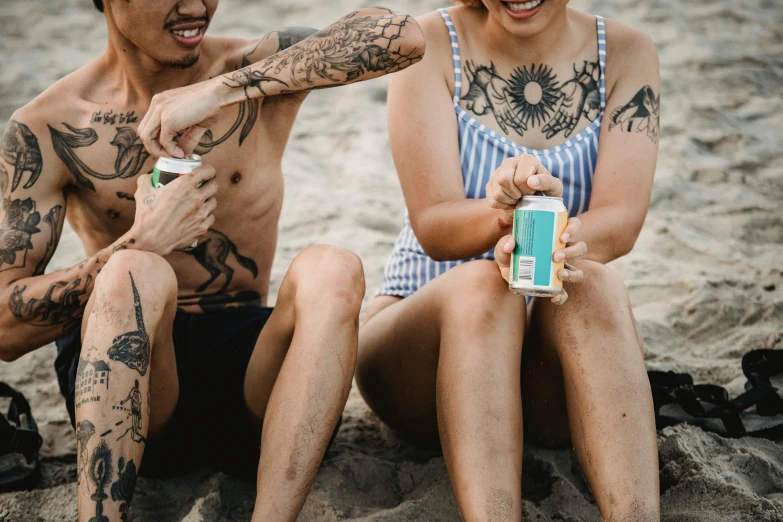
x=705, y=277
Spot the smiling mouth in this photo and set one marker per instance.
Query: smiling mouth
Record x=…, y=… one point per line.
x=522, y=9
x=188, y=37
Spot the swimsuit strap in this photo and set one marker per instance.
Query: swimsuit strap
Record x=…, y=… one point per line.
x=599, y=21
x=454, y=54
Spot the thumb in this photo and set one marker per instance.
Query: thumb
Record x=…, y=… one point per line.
x=503, y=251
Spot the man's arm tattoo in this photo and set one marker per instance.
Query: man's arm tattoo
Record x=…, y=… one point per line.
x=339, y=54
x=641, y=114
x=20, y=222
x=63, y=303
x=19, y=147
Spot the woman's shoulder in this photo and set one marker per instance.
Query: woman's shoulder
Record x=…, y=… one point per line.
x=629, y=52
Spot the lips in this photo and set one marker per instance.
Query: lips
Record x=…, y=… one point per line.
x=188, y=35
x=523, y=10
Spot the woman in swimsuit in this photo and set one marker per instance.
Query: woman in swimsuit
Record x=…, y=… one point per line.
x=447, y=354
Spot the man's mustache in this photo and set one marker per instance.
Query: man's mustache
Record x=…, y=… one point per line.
x=179, y=21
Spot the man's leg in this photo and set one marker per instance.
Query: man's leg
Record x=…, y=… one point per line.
x=587, y=355
x=299, y=375
x=126, y=338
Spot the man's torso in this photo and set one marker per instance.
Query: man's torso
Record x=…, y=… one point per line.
x=100, y=156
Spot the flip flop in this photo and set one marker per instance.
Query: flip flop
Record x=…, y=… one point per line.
x=764, y=369
x=19, y=443
x=677, y=400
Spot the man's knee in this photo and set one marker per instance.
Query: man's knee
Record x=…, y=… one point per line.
x=331, y=276
x=148, y=270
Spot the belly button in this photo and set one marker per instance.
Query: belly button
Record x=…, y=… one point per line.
x=113, y=214
x=236, y=178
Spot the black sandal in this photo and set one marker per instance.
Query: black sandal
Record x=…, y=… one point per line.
x=677, y=400
x=19, y=444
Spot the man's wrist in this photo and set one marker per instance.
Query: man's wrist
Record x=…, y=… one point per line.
x=226, y=92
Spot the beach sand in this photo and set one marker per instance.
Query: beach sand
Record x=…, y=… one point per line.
x=705, y=277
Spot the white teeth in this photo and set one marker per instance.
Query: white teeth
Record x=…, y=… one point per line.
x=524, y=7
x=187, y=34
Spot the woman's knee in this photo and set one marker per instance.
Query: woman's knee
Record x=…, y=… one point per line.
x=476, y=295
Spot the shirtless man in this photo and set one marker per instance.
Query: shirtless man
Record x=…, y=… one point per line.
x=186, y=324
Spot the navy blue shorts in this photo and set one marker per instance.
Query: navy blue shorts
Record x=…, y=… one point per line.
x=210, y=425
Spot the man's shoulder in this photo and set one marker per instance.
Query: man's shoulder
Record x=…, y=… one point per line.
x=61, y=101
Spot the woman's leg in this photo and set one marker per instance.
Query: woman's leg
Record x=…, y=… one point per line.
x=445, y=363
x=586, y=357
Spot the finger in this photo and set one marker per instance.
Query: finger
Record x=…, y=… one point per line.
x=210, y=205
x=201, y=175
x=560, y=298
x=209, y=189
x=150, y=141
x=572, y=227
x=167, y=139
x=503, y=250
x=571, y=252
x=527, y=165
x=543, y=181
x=190, y=140
x=497, y=198
x=570, y=275
x=209, y=221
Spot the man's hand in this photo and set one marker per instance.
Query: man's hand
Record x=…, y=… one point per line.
x=190, y=109
x=573, y=251
x=173, y=217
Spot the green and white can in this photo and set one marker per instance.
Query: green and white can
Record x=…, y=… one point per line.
x=167, y=170
x=539, y=221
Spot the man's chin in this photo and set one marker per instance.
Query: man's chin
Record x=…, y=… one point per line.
x=186, y=62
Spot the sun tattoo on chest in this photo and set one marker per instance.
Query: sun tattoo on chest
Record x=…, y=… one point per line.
x=533, y=97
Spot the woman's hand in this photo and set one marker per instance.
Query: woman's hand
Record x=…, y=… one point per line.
x=573, y=251
x=520, y=176
x=185, y=112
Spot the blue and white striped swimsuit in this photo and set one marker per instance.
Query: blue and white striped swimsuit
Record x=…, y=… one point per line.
x=481, y=152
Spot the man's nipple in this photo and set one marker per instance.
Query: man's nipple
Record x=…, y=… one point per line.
x=236, y=178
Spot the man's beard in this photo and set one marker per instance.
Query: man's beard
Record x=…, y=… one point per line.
x=185, y=62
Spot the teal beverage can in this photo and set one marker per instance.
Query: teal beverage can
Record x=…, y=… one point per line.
x=539, y=221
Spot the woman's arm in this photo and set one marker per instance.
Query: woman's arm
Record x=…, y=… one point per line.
x=424, y=142
x=627, y=147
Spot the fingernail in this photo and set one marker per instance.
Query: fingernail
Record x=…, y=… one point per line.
x=565, y=237
x=562, y=274
x=179, y=153
x=509, y=244
x=534, y=182
x=560, y=256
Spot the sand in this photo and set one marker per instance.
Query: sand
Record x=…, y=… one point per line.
x=705, y=276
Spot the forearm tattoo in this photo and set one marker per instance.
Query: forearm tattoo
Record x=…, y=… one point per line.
x=19, y=147
x=533, y=97
x=341, y=53
x=641, y=114
x=62, y=304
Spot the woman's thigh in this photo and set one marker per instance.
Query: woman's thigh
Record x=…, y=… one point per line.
x=398, y=361
x=400, y=343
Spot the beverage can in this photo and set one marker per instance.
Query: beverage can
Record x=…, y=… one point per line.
x=167, y=170
x=539, y=221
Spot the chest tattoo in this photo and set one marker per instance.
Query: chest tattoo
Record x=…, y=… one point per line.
x=533, y=97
